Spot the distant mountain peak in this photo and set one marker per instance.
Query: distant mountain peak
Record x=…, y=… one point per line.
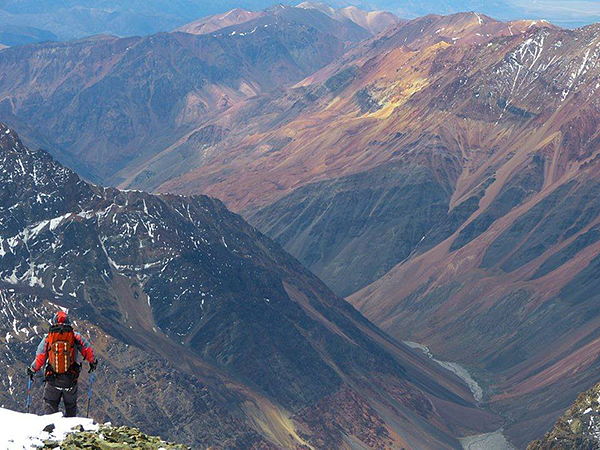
x=372, y=21
x=324, y=8
x=216, y=22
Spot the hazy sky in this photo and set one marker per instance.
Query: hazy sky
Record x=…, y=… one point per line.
x=566, y=10
x=69, y=19
x=562, y=12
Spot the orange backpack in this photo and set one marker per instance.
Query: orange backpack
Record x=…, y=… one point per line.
x=61, y=349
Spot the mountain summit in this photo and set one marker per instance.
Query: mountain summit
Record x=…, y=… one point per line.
x=357, y=23
x=372, y=21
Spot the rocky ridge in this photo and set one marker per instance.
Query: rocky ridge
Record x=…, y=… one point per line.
x=578, y=428
x=109, y=437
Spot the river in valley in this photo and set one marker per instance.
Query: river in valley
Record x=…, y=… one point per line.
x=489, y=441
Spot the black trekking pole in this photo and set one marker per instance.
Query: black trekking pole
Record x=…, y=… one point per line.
x=87, y=415
x=29, y=394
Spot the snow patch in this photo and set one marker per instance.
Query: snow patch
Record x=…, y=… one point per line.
x=25, y=431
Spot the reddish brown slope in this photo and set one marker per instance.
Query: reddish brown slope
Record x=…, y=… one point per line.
x=512, y=292
x=373, y=107
x=380, y=75
x=501, y=273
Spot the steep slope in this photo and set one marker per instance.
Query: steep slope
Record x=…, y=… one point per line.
x=469, y=164
x=578, y=428
x=349, y=118
x=207, y=324
x=107, y=102
x=519, y=271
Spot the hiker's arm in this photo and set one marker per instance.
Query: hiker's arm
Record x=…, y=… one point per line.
x=85, y=348
x=40, y=355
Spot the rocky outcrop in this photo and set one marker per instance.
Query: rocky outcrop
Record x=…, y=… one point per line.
x=578, y=428
x=108, y=437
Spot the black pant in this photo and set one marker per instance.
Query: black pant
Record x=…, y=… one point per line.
x=53, y=395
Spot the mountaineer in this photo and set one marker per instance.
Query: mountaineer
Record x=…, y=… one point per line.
x=58, y=353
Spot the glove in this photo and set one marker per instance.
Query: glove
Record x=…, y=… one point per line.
x=93, y=366
x=30, y=373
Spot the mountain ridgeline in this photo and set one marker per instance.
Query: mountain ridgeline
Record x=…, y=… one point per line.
x=71, y=19
x=205, y=323
x=101, y=102
x=442, y=175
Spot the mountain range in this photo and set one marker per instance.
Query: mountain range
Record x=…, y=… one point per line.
x=74, y=19
x=101, y=102
x=203, y=323
x=441, y=175
x=566, y=13
x=356, y=24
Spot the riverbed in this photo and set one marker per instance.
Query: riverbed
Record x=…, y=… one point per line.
x=489, y=441
x=455, y=368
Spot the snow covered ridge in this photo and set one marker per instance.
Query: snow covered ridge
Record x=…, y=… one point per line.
x=28, y=431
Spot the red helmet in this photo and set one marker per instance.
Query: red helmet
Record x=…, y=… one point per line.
x=61, y=318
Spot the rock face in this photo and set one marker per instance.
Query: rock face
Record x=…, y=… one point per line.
x=578, y=428
x=209, y=333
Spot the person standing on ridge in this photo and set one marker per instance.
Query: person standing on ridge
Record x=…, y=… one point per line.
x=58, y=353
